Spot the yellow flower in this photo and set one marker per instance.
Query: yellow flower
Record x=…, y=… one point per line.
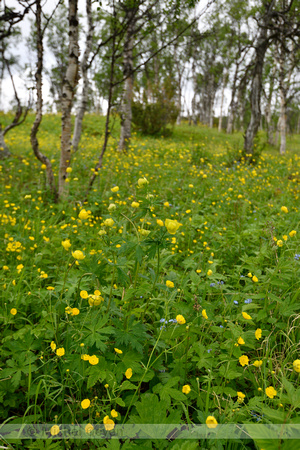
x=109, y=222
x=244, y=360
x=145, y=232
x=211, y=422
x=85, y=403
x=68, y=310
x=250, y=275
x=246, y=316
x=85, y=357
x=284, y=209
x=43, y=166
x=66, y=244
x=255, y=279
x=93, y=360
x=270, y=391
x=204, y=314
x=112, y=207
x=115, y=189
x=78, y=254
x=240, y=396
x=169, y=284
x=50, y=288
x=95, y=300
x=89, y=428
x=292, y=233
x=257, y=363
x=20, y=267
x=241, y=341
x=114, y=413
x=102, y=232
x=142, y=182
x=180, y=319
x=128, y=373
x=83, y=214
x=258, y=334
x=118, y=351
x=135, y=204
x=60, y=351
x=209, y=272
x=53, y=346
x=284, y=237
x=69, y=169
x=166, y=204
x=296, y=365
x=75, y=312
x=54, y=430
x=186, y=389
x=172, y=225
x=160, y=222
x=84, y=294
x=279, y=243
x=13, y=311
x=109, y=424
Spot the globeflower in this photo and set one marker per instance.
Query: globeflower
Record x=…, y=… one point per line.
x=109, y=222
x=66, y=244
x=284, y=209
x=172, y=225
x=186, y=389
x=112, y=207
x=53, y=346
x=89, y=428
x=84, y=294
x=169, y=284
x=241, y=341
x=135, y=204
x=118, y=351
x=180, y=319
x=115, y=189
x=142, y=182
x=279, y=243
x=244, y=360
x=209, y=272
x=211, y=422
x=292, y=233
x=114, y=413
x=255, y=279
x=128, y=373
x=78, y=254
x=270, y=391
x=160, y=222
x=83, y=214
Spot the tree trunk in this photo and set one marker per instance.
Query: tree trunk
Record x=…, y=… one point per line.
x=84, y=69
x=68, y=91
x=39, y=102
x=126, y=106
x=278, y=127
x=4, y=152
x=232, y=106
x=256, y=86
x=222, y=101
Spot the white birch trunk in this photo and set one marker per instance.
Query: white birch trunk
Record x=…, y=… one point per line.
x=222, y=101
x=84, y=70
x=68, y=91
x=126, y=106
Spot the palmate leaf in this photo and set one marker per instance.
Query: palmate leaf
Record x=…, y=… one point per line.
x=134, y=337
x=151, y=410
x=95, y=333
x=166, y=391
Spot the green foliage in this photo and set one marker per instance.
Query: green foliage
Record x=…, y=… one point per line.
x=154, y=118
x=111, y=328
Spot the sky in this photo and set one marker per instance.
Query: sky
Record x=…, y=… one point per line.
x=21, y=77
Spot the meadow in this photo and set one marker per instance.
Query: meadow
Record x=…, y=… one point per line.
x=171, y=296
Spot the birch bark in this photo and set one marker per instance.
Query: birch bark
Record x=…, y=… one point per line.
x=68, y=91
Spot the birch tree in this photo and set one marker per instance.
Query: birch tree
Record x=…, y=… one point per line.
x=69, y=86
x=84, y=72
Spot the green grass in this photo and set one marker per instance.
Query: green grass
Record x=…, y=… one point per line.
x=234, y=252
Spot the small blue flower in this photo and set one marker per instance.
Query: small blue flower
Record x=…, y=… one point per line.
x=163, y=320
x=249, y=300
x=221, y=326
x=235, y=302
x=212, y=284
x=209, y=350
